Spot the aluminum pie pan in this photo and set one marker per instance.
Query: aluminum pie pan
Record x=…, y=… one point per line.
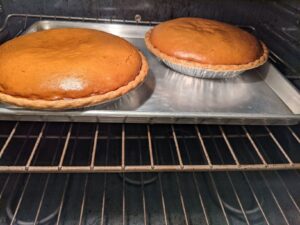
x=202, y=73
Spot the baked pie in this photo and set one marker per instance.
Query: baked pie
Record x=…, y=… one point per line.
x=68, y=68
x=205, y=48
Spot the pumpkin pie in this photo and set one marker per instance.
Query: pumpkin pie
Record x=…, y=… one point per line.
x=205, y=48
x=68, y=68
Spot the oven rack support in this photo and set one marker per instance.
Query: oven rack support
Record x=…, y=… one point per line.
x=179, y=162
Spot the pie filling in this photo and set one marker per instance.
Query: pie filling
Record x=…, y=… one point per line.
x=69, y=63
x=68, y=68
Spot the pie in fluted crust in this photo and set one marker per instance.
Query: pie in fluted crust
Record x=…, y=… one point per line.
x=68, y=68
x=206, y=44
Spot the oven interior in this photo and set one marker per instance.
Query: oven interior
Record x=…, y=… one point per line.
x=97, y=173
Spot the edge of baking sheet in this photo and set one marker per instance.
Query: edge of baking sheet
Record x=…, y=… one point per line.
x=110, y=116
x=124, y=30
x=281, y=86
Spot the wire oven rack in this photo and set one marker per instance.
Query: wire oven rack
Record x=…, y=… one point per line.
x=145, y=148
x=172, y=198
x=245, y=197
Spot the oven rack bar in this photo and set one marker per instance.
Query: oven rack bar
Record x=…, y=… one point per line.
x=145, y=168
x=120, y=161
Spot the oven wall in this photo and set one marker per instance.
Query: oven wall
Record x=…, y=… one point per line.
x=243, y=12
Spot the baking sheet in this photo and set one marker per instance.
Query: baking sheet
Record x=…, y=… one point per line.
x=260, y=96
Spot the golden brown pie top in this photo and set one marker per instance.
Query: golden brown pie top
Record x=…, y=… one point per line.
x=205, y=41
x=66, y=64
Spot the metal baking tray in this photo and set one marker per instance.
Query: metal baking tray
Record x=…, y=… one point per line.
x=260, y=96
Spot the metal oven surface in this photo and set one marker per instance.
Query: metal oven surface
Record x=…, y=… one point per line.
x=166, y=96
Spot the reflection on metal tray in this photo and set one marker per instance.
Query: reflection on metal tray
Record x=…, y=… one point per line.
x=257, y=96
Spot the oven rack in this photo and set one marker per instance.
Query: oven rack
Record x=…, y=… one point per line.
x=208, y=201
x=108, y=148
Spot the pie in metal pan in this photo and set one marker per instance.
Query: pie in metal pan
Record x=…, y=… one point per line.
x=205, y=48
x=68, y=68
